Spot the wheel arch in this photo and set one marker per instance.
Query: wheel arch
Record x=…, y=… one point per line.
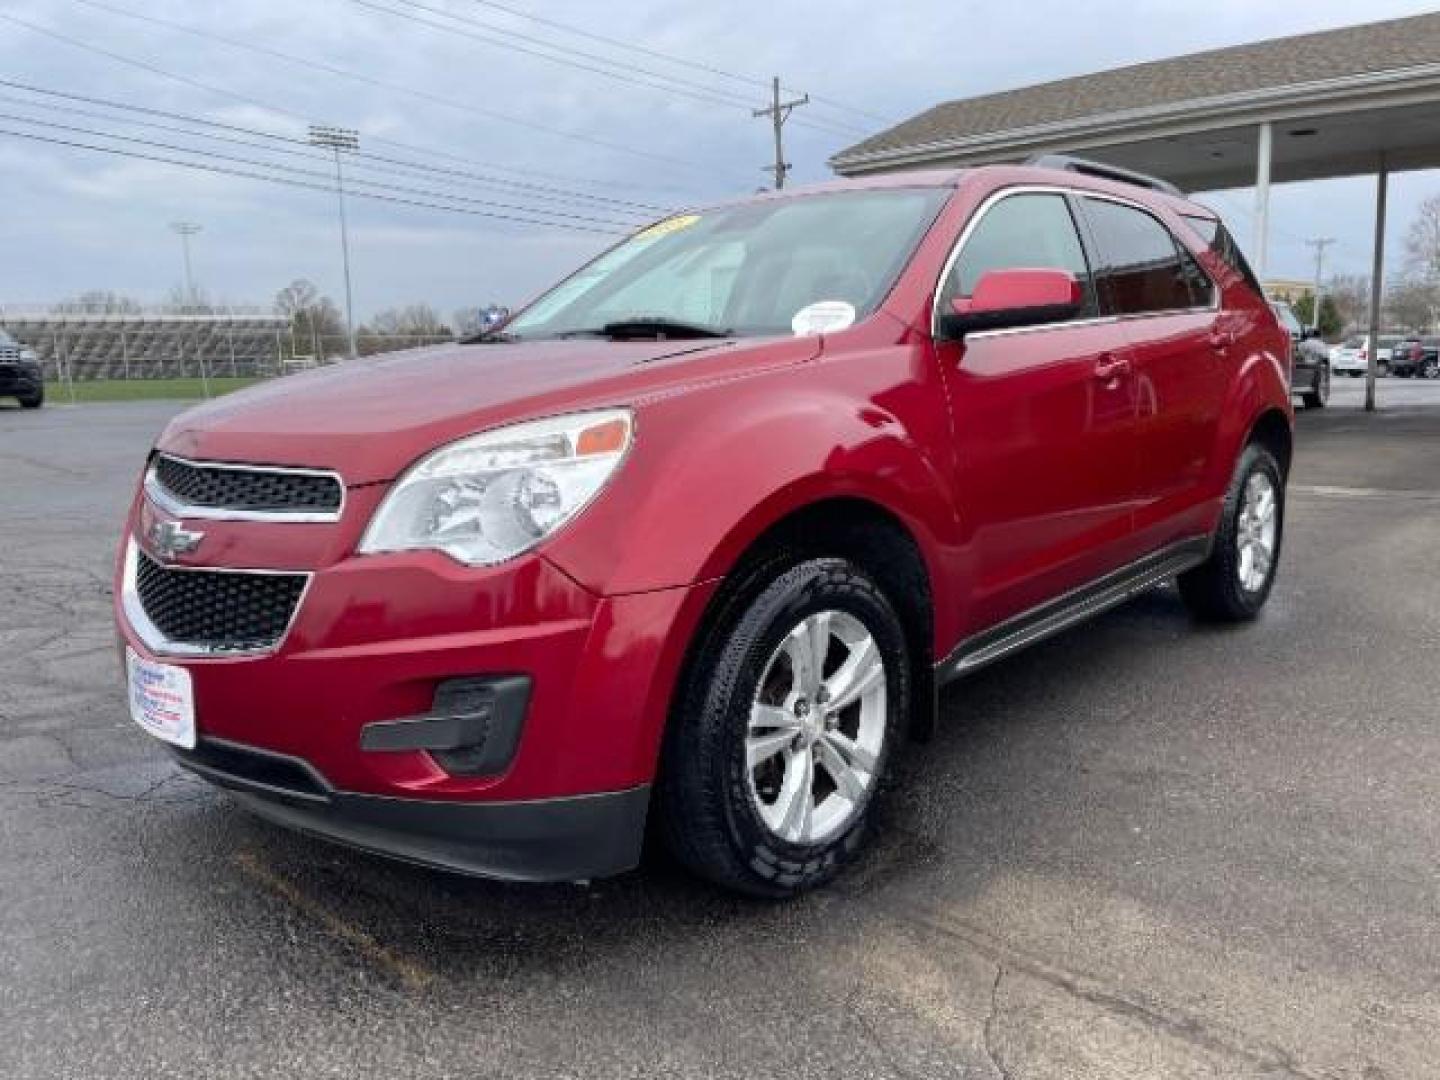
x=860, y=530
x=1272, y=429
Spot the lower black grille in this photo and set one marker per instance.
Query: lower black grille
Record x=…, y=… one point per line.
x=247, y=768
x=217, y=609
x=255, y=490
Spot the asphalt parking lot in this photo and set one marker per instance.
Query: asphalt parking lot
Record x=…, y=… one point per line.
x=1140, y=850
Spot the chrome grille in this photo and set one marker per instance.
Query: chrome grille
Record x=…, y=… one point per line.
x=217, y=610
x=248, y=489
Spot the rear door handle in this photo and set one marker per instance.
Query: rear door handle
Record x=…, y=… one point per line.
x=1110, y=369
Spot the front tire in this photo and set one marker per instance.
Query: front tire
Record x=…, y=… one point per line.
x=32, y=401
x=1318, y=396
x=1233, y=584
x=784, y=729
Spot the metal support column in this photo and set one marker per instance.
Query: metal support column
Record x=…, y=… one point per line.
x=1377, y=282
x=1263, y=151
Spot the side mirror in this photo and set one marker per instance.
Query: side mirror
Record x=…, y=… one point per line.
x=1010, y=298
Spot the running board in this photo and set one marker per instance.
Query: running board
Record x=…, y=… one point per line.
x=1074, y=607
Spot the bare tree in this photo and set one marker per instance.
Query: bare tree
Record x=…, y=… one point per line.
x=1410, y=304
x=316, y=328
x=398, y=328
x=1422, y=242
x=99, y=302
x=1351, y=295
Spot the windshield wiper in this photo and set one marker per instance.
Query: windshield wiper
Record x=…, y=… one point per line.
x=644, y=326
x=489, y=337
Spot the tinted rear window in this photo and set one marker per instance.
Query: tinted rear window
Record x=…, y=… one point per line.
x=1139, y=260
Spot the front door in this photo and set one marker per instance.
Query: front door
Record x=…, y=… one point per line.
x=1043, y=419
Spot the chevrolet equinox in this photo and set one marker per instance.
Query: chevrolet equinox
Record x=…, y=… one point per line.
x=697, y=536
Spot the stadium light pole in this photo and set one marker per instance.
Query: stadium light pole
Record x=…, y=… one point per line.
x=187, y=229
x=341, y=140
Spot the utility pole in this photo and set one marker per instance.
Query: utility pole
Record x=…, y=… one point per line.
x=341, y=139
x=1319, y=243
x=779, y=111
x=187, y=229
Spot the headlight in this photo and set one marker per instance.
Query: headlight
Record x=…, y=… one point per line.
x=490, y=497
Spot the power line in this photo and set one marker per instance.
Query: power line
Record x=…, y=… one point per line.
x=312, y=174
x=428, y=151
x=326, y=188
x=312, y=64
x=751, y=80
x=301, y=148
x=672, y=85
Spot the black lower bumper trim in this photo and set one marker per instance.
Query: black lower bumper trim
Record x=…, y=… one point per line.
x=565, y=839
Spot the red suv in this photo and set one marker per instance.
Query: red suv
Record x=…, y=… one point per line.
x=697, y=535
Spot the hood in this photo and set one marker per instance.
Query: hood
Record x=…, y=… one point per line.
x=369, y=419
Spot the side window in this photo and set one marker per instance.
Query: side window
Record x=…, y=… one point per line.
x=1202, y=289
x=1021, y=232
x=1139, y=259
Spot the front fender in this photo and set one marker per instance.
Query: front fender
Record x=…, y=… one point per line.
x=715, y=467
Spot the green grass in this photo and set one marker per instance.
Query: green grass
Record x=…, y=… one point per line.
x=143, y=389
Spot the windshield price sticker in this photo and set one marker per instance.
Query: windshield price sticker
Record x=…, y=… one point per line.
x=666, y=227
x=822, y=318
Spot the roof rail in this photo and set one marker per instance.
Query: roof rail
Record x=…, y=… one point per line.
x=1102, y=170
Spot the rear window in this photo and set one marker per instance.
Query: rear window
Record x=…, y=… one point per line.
x=1140, y=260
x=1223, y=245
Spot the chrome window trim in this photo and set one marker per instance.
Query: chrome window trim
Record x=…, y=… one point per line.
x=155, y=640
x=172, y=504
x=1056, y=189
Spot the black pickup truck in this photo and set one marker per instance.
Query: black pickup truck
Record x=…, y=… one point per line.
x=20, y=373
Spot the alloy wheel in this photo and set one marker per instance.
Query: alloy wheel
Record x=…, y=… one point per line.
x=817, y=728
x=1256, y=533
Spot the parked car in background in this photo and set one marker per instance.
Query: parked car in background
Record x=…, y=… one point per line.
x=697, y=535
x=1353, y=357
x=1416, y=357
x=20, y=375
x=1309, y=359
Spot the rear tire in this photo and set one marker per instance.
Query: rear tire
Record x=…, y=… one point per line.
x=1318, y=396
x=1232, y=585
x=750, y=794
x=32, y=401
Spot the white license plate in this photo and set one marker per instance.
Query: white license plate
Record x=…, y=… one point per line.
x=161, y=699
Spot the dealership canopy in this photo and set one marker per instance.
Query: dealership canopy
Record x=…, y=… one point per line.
x=1358, y=100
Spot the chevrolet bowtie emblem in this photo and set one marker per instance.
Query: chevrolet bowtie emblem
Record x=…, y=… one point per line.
x=169, y=539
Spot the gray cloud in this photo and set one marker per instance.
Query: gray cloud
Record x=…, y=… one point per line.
x=76, y=220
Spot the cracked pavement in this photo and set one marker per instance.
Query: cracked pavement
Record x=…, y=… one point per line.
x=1142, y=849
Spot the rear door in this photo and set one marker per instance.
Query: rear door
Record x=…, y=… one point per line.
x=1043, y=418
x=1180, y=352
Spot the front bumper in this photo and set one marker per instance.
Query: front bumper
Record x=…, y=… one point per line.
x=373, y=640
x=560, y=839
x=21, y=379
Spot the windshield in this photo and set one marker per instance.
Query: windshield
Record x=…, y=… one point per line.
x=756, y=268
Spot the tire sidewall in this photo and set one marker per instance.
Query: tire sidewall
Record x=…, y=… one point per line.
x=801, y=591
x=1255, y=459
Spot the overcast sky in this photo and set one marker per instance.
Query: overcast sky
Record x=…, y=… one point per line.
x=76, y=220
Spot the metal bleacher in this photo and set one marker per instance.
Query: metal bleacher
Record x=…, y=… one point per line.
x=149, y=343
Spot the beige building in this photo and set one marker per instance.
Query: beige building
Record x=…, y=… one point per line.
x=1287, y=289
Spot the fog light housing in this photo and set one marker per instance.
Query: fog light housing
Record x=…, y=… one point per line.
x=472, y=729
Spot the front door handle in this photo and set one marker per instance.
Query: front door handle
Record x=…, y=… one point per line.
x=1111, y=369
